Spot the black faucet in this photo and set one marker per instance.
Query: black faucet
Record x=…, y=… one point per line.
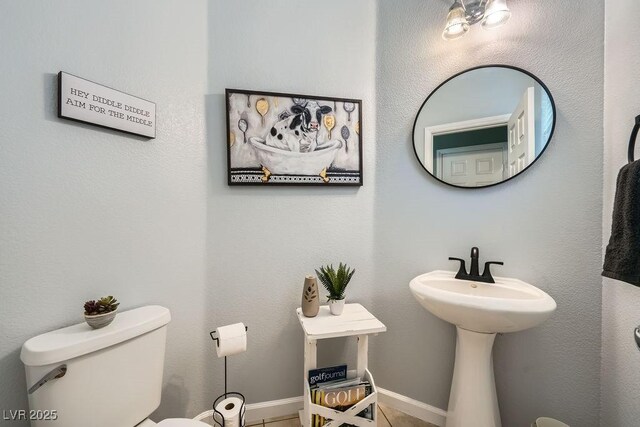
x=474, y=274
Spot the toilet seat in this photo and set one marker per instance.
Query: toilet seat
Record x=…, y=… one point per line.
x=182, y=422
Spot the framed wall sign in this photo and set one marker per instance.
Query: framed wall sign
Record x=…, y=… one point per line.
x=286, y=139
x=85, y=101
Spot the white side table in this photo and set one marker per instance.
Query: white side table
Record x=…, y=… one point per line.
x=355, y=321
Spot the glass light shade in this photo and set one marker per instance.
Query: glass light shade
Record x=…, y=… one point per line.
x=496, y=14
x=457, y=24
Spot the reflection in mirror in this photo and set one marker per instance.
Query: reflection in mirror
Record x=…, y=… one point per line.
x=484, y=126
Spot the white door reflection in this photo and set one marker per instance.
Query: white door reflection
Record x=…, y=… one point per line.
x=484, y=126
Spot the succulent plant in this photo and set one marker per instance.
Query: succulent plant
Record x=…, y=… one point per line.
x=108, y=304
x=91, y=308
x=335, y=282
x=102, y=306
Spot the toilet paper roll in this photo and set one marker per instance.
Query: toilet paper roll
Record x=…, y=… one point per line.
x=232, y=339
x=230, y=410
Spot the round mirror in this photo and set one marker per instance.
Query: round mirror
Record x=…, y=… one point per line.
x=484, y=126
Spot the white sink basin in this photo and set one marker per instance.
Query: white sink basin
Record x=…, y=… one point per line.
x=479, y=311
x=509, y=305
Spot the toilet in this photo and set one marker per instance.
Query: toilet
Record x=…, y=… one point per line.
x=548, y=422
x=109, y=377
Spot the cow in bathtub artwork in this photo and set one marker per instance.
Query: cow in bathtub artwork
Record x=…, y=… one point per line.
x=298, y=128
x=290, y=139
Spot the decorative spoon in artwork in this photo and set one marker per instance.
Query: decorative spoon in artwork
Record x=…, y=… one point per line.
x=345, y=135
x=243, y=126
x=262, y=106
x=329, y=123
x=349, y=107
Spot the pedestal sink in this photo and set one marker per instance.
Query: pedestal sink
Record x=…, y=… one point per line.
x=479, y=311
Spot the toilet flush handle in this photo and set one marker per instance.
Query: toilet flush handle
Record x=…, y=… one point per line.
x=58, y=372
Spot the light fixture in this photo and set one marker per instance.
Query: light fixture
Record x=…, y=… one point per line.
x=496, y=14
x=492, y=14
x=457, y=24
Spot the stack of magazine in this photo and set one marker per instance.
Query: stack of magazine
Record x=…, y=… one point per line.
x=331, y=388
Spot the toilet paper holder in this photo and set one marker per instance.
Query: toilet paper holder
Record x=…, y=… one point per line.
x=218, y=418
x=217, y=340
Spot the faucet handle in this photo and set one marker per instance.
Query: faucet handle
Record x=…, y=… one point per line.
x=486, y=274
x=462, y=271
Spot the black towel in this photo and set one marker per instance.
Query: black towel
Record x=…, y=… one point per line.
x=622, y=258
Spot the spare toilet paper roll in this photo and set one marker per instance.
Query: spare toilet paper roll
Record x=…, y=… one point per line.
x=230, y=410
x=232, y=339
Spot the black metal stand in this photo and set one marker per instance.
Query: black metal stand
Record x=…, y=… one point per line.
x=218, y=418
x=632, y=140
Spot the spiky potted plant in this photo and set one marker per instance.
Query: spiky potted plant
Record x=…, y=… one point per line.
x=99, y=314
x=335, y=282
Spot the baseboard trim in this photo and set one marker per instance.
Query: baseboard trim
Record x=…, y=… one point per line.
x=260, y=411
x=273, y=408
x=289, y=406
x=413, y=407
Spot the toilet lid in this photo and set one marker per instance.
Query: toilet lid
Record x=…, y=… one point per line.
x=549, y=422
x=182, y=422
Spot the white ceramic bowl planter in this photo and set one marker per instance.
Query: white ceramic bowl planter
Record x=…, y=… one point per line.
x=336, y=306
x=97, y=321
x=100, y=313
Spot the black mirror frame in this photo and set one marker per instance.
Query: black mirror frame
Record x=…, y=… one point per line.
x=533, y=76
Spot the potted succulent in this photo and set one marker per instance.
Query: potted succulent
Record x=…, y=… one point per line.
x=99, y=314
x=335, y=282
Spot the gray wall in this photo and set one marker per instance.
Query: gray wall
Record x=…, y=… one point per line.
x=86, y=212
x=545, y=225
x=262, y=241
x=620, y=301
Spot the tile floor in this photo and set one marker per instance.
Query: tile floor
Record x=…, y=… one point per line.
x=387, y=417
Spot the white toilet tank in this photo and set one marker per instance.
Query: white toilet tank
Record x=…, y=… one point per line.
x=113, y=375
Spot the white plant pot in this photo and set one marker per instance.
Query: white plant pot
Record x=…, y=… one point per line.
x=336, y=306
x=98, y=321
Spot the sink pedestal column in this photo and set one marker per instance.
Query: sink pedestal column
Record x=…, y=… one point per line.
x=473, y=400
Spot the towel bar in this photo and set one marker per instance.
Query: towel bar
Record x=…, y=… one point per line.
x=632, y=140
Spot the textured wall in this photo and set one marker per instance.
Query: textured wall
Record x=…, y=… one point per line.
x=85, y=211
x=620, y=301
x=545, y=225
x=262, y=241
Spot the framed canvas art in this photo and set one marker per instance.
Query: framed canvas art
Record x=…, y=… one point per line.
x=286, y=139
